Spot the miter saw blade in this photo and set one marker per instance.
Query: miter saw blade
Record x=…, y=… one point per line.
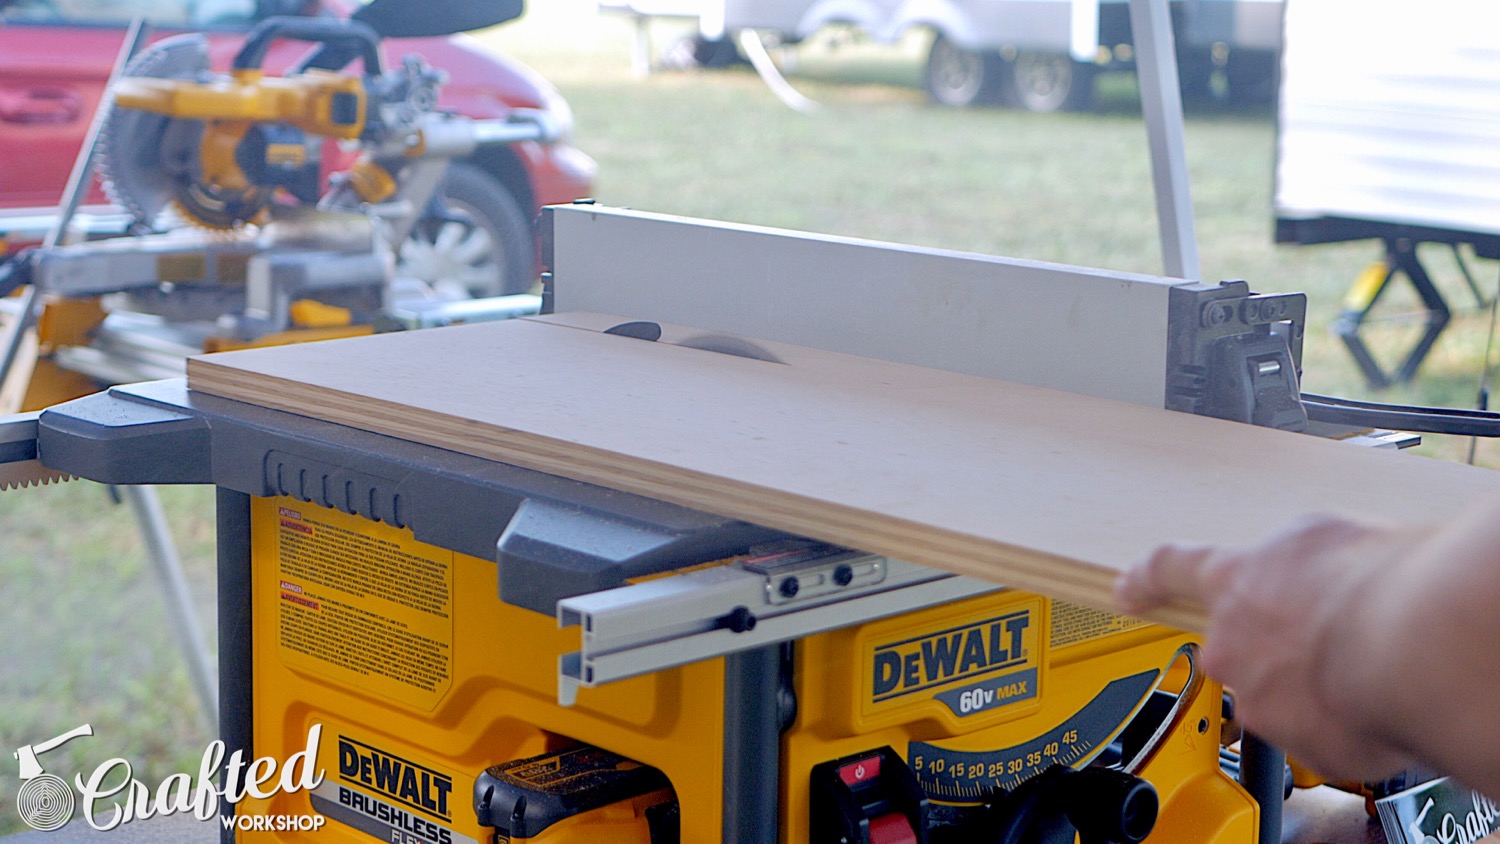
x=219, y=208
x=150, y=162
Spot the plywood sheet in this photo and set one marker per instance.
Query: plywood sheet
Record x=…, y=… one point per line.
x=1030, y=487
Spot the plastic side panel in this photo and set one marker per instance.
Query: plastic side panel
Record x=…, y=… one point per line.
x=1211, y=809
x=1082, y=330
x=1063, y=685
x=1391, y=116
x=404, y=655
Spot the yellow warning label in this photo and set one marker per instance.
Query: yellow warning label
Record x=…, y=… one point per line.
x=363, y=603
x=1075, y=623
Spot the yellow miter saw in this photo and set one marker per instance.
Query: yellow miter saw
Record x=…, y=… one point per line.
x=221, y=148
x=300, y=188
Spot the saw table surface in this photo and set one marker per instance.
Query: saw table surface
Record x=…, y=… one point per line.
x=1033, y=488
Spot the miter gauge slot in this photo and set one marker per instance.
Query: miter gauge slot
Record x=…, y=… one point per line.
x=778, y=593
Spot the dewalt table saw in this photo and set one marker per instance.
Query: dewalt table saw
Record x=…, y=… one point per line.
x=1315, y=816
x=502, y=655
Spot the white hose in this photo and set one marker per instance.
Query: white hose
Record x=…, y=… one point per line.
x=755, y=51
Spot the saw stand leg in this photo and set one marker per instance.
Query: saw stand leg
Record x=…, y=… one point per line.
x=756, y=713
x=236, y=681
x=152, y=521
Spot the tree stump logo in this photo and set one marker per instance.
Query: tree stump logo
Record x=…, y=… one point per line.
x=45, y=802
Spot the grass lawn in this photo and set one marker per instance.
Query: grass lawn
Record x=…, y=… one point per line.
x=83, y=637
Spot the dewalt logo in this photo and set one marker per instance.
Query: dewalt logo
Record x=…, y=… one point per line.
x=978, y=654
x=404, y=782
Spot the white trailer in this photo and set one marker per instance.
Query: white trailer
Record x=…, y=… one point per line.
x=1040, y=55
x=1388, y=128
x=1389, y=117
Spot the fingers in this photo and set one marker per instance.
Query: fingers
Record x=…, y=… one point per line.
x=1273, y=608
x=1172, y=572
x=1196, y=573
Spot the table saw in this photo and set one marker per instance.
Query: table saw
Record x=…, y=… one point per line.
x=498, y=654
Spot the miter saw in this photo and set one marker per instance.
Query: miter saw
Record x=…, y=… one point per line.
x=220, y=148
x=261, y=209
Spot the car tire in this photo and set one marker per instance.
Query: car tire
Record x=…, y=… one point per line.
x=485, y=248
x=961, y=78
x=1047, y=82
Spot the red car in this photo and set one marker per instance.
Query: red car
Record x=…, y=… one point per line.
x=55, y=56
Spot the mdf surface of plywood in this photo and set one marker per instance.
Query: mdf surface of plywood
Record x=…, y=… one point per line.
x=1025, y=486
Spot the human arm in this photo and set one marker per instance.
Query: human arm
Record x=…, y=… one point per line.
x=1357, y=647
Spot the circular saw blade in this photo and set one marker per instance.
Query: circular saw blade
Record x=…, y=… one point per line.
x=220, y=209
x=145, y=157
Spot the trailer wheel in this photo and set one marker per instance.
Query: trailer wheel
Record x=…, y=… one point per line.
x=961, y=78
x=1048, y=82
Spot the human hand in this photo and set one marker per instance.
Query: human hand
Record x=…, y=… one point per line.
x=1288, y=634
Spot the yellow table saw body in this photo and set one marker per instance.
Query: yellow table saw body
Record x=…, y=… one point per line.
x=422, y=679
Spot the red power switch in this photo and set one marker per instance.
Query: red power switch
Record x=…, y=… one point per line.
x=864, y=770
x=867, y=798
x=894, y=828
